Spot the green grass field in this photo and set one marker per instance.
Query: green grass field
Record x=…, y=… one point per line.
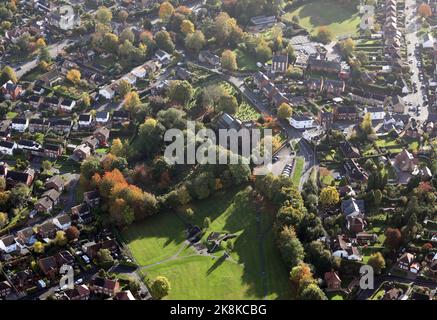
x=158, y=245
x=297, y=172
x=339, y=19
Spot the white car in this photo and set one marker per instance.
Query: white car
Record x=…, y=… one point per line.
x=78, y=281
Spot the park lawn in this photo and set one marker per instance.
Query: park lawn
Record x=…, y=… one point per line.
x=157, y=238
x=246, y=112
x=298, y=170
x=340, y=19
x=11, y=115
x=244, y=61
x=201, y=277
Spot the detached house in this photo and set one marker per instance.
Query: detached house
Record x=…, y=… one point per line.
x=102, y=135
x=44, y=204
x=85, y=120
x=301, y=122
x=7, y=147
x=52, y=151
x=79, y=292
x=82, y=152
x=8, y=244
x=405, y=161
x=26, y=236
x=10, y=90
x=47, y=230
x=67, y=105
x=63, y=221
x=333, y=281
x=92, y=198
x=55, y=182
x=48, y=266
x=102, y=117
x=104, y=286
x=347, y=113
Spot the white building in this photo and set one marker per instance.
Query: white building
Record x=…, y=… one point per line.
x=8, y=244
x=428, y=41
x=20, y=124
x=302, y=122
x=63, y=222
x=139, y=72
x=7, y=147
x=376, y=113
x=107, y=92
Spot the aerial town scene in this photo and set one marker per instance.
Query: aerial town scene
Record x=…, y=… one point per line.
x=343, y=92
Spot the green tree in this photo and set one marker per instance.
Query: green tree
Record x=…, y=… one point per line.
x=312, y=292
x=180, y=91
x=227, y=104
x=8, y=74
x=285, y=111
x=103, y=15
x=195, y=41
x=104, y=258
x=229, y=60
x=164, y=41
x=290, y=247
x=160, y=287
x=377, y=262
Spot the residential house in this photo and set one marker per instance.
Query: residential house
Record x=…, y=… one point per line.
x=344, y=248
x=333, y=281
x=108, y=92
x=48, y=266
x=61, y=125
x=82, y=213
x=82, y=152
x=346, y=113
x=279, y=63
x=5, y=289
x=354, y=171
x=63, y=221
x=38, y=125
x=302, y=122
x=52, y=151
x=91, y=248
x=392, y=294
x=79, y=292
x=8, y=244
x=428, y=41
x=91, y=142
x=53, y=195
x=26, y=236
x=7, y=147
x=314, y=85
x=333, y=88
x=325, y=119
x=206, y=56
x=183, y=74
x=92, y=198
x=102, y=135
x=405, y=161
x=44, y=204
x=20, y=124
x=28, y=145
x=367, y=98
x=319, y=65
x=47, y=230
x=85, y=120
x=102, y=117
x=376, y=113
x=15, y=177
x=104, y=286
x=67, y=105
x=120, y=116
x=130, y=78
x=52, y=101
x=10, y=90
x=405, y=261
x=398, y=104
x=260, y=79
x=139, y=72
x=163, y=57
x=64, y=257
x=5, y=129
x=279, y=98
x=55, y=182
x=348, y=150
x=124, y=295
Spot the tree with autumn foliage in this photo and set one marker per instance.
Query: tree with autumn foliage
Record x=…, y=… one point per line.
x=324, y=35
x=132, y=102
x=424, y=10
x=329, y=196
x=187, y=26
x=393, y=238
x=229, y=60
x=166, y=10
x=284, y=111
x=73, y=76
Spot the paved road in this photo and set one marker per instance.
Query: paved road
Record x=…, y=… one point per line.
x=412, y=26
x=54, y=50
